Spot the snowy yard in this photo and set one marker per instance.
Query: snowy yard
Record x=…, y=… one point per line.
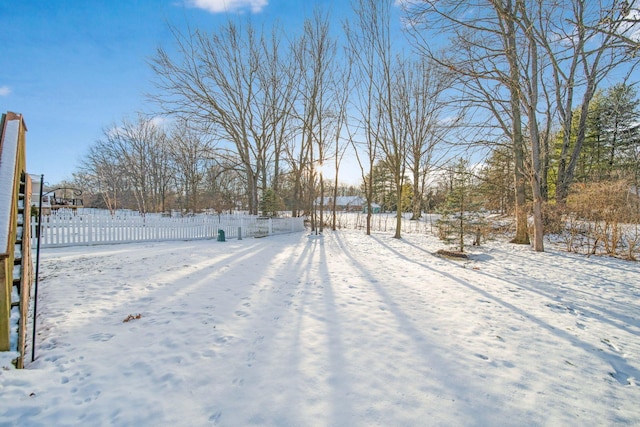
x=342, y=330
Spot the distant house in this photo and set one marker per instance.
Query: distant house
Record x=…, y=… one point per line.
x=350, y=204
x=344, y=203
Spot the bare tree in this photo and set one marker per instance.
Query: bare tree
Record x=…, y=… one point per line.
x=316, y=52
x=190, y=153
x=583, y=43
x=482, y=54
x=278, y=77
x=395, y=131
x=526, y=80
x=162, y=172
x=101, y=173
x=370, y=46
x=139, y=146
x=420, y=103
x=218, y=82
x=542, y=53
x=342, y=89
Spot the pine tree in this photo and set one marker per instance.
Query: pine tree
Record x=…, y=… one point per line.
x=270, y=203
x=460, y=214
x=497, y=186
x=610, y=136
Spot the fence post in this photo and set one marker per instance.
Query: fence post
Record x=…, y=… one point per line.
x=56, y=226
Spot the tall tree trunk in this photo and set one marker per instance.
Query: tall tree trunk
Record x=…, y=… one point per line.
x=522, y=234
x=416, y=206
x=369, y=191
x=398, y=233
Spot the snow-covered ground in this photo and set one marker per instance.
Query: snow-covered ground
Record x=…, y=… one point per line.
x=340, y=330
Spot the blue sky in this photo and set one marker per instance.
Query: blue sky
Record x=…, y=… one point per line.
x=76, y=67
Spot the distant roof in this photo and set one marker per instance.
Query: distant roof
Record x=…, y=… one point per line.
x=349, y=200
x=344, y=200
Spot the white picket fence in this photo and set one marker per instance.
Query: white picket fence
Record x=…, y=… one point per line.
x=79, y=229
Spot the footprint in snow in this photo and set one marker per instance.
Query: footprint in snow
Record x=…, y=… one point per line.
x=103, y=337
x=224, y=339
x=609, y=344
x=215, y=417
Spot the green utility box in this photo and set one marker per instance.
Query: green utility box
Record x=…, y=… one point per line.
x=220, y=235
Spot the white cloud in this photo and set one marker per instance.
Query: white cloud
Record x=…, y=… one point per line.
x=158, y=122
x=219, y=6
x=632, y=25
x=5, y=90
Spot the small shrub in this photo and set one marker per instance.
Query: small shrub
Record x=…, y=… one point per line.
x=610, y=215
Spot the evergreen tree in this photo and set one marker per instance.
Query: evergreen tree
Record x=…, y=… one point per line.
x=270, y=203
x=497, y=187
x=620, y=116
x=384, y=192
x=460, y=214
x=382, y=188
x=611, y=135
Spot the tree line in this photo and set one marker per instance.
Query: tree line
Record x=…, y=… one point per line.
x=543, y=89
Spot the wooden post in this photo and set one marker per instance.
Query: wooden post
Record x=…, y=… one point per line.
x=5, y=302
x=26, y=278
x=12, y=154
